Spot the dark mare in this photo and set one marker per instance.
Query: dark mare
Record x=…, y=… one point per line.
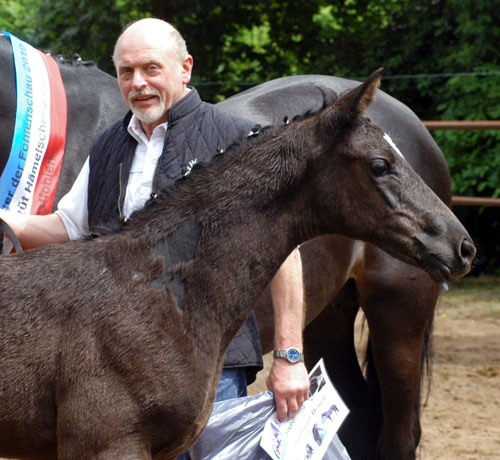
x=98, y=361
x=340, y=274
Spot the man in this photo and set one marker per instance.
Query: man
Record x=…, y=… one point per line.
x=169, y=129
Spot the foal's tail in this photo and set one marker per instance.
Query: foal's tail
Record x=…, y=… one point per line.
x=426, y=369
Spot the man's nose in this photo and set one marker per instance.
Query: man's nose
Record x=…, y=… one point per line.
x=139, y=81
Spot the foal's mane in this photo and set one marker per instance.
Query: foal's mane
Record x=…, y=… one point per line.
x=259, y=147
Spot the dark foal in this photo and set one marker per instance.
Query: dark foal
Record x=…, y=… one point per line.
x=99, y=362
x=339, y=273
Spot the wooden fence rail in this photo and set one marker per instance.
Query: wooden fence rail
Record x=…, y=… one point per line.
x=474, y=201
x=467, y=125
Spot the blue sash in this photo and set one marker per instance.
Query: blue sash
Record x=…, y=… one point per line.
x=12, y=173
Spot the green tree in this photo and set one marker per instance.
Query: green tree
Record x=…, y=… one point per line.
x=14, y=16
x=441, y=56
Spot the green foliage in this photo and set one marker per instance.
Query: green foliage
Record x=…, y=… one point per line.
x=236, y=43
x=14, y=15
x=68, y=27
x=473, y=156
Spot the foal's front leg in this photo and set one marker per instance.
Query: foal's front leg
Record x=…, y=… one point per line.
x=399, y=302
x=122, y=449
x=96, y=422
x=126, y=448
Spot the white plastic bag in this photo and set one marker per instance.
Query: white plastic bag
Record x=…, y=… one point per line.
x=235, y=427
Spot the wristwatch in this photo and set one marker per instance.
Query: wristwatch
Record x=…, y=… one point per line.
x=292, y=355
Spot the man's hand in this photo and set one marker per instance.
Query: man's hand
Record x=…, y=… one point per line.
x=290, y=384
x=34, y=231
x=12, y=219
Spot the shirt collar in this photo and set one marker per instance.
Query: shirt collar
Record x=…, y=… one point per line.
x=134, y=128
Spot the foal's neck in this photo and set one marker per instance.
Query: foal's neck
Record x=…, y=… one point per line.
x=250, y=210
x=240, y=251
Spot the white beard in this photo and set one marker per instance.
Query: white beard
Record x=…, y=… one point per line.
x=151, y=114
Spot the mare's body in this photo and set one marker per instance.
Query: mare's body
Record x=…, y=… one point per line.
x=344, y=275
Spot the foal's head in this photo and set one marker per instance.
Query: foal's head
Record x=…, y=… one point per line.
x=373, y=194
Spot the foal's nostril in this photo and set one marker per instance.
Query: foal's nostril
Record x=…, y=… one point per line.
x=467, y=250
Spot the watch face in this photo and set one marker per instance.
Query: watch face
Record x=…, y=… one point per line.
x=293, y=355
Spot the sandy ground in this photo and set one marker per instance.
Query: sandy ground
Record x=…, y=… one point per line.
x=461, y=419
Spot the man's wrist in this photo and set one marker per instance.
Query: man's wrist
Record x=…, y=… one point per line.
x=291, y=354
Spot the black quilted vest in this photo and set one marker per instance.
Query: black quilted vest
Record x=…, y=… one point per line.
x=197, y=131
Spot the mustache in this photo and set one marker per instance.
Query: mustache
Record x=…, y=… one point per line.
x=143, y=92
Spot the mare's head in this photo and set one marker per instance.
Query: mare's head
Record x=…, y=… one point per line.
x=373, y=193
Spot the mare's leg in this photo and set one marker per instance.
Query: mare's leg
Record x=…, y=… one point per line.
x=331, y=337
x=327, y=262
x=399, y=302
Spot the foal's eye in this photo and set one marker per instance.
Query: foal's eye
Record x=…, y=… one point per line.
x=379, y=167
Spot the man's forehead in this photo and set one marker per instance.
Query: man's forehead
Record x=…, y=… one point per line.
x=139, y=53
x=128, y=56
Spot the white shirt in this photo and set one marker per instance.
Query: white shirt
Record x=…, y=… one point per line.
x=72, y=208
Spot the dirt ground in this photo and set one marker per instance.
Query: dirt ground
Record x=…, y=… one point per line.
x=461, y=420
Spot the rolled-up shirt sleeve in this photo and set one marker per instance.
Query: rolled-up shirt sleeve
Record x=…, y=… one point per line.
x=72, y=208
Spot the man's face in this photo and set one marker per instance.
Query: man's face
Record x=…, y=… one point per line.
x=151, y=79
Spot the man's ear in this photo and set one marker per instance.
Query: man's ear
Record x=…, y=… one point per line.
x=187, y=67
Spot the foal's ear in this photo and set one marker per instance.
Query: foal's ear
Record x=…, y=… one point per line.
x=358, y=99
x=353, y=104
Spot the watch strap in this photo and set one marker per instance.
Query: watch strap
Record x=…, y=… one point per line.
x=285, y=354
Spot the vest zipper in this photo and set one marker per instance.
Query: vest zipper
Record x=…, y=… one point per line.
x=154, y=182
x=120, y=182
